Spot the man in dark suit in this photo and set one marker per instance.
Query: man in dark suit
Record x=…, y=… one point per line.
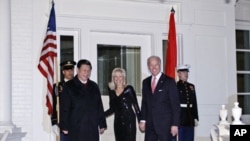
x=67, y=68
x=188, y=103
x=81, y=109
x=160, y=104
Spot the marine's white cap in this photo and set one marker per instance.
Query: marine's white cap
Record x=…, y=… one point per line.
x=183, y=67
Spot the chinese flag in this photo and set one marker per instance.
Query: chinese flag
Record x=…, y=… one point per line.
x=171, y=53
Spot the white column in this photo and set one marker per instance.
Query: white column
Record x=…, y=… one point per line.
x=5, y=71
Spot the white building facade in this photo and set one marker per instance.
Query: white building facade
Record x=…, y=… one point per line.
x=205, y=37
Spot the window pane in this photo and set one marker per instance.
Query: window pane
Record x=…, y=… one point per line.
x=164, y=50
x=66, y=49
x=242, y=39
x=243, y=78
x=243, y=83
x=244, y=103
x=243, y=61
x=127, y=57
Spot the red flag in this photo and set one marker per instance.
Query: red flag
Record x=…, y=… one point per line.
x=171, y=53
x=48, y=53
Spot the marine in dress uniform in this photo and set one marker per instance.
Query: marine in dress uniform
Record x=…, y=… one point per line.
x=68, y=74
x=188, y=103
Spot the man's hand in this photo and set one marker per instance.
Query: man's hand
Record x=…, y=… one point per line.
x=142, y=126
x=174, y=130
x=55, y=129
x=65, y=132
x=101, y=131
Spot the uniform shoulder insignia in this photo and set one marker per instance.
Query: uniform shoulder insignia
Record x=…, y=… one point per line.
x=191, y=87
x=60, y=88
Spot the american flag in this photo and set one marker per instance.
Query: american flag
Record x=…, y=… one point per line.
x=48, y=53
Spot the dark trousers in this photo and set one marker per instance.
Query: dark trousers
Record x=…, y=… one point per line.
x=64, y=137
x=151, y=135
x=186, y=133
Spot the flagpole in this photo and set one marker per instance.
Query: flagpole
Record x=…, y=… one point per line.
x=176, y=78
x=46, y=64
x=57, y=92
x=171, y=54
x=57, y=98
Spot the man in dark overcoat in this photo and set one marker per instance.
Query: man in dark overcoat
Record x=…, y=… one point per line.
x=160, y=104
x=81, y=108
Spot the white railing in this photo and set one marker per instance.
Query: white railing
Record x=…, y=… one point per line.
x=4, y=137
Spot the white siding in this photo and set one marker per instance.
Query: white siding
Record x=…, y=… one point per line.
x=206, y=37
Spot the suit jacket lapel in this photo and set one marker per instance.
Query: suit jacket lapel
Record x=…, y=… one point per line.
x=149, y=84
x=159, y=83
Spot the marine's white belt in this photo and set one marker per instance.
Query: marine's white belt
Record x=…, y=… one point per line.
x=185, y=105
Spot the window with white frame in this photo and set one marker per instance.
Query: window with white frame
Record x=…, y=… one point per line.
x=68, y=46
x=243, y=69
x=126, y=57
x=164, y=50
x=129, y=51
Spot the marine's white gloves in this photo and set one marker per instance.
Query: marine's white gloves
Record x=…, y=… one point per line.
x=55, y=129
x=196, y=122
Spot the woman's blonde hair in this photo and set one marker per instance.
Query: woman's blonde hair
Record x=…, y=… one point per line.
x=111, y=84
